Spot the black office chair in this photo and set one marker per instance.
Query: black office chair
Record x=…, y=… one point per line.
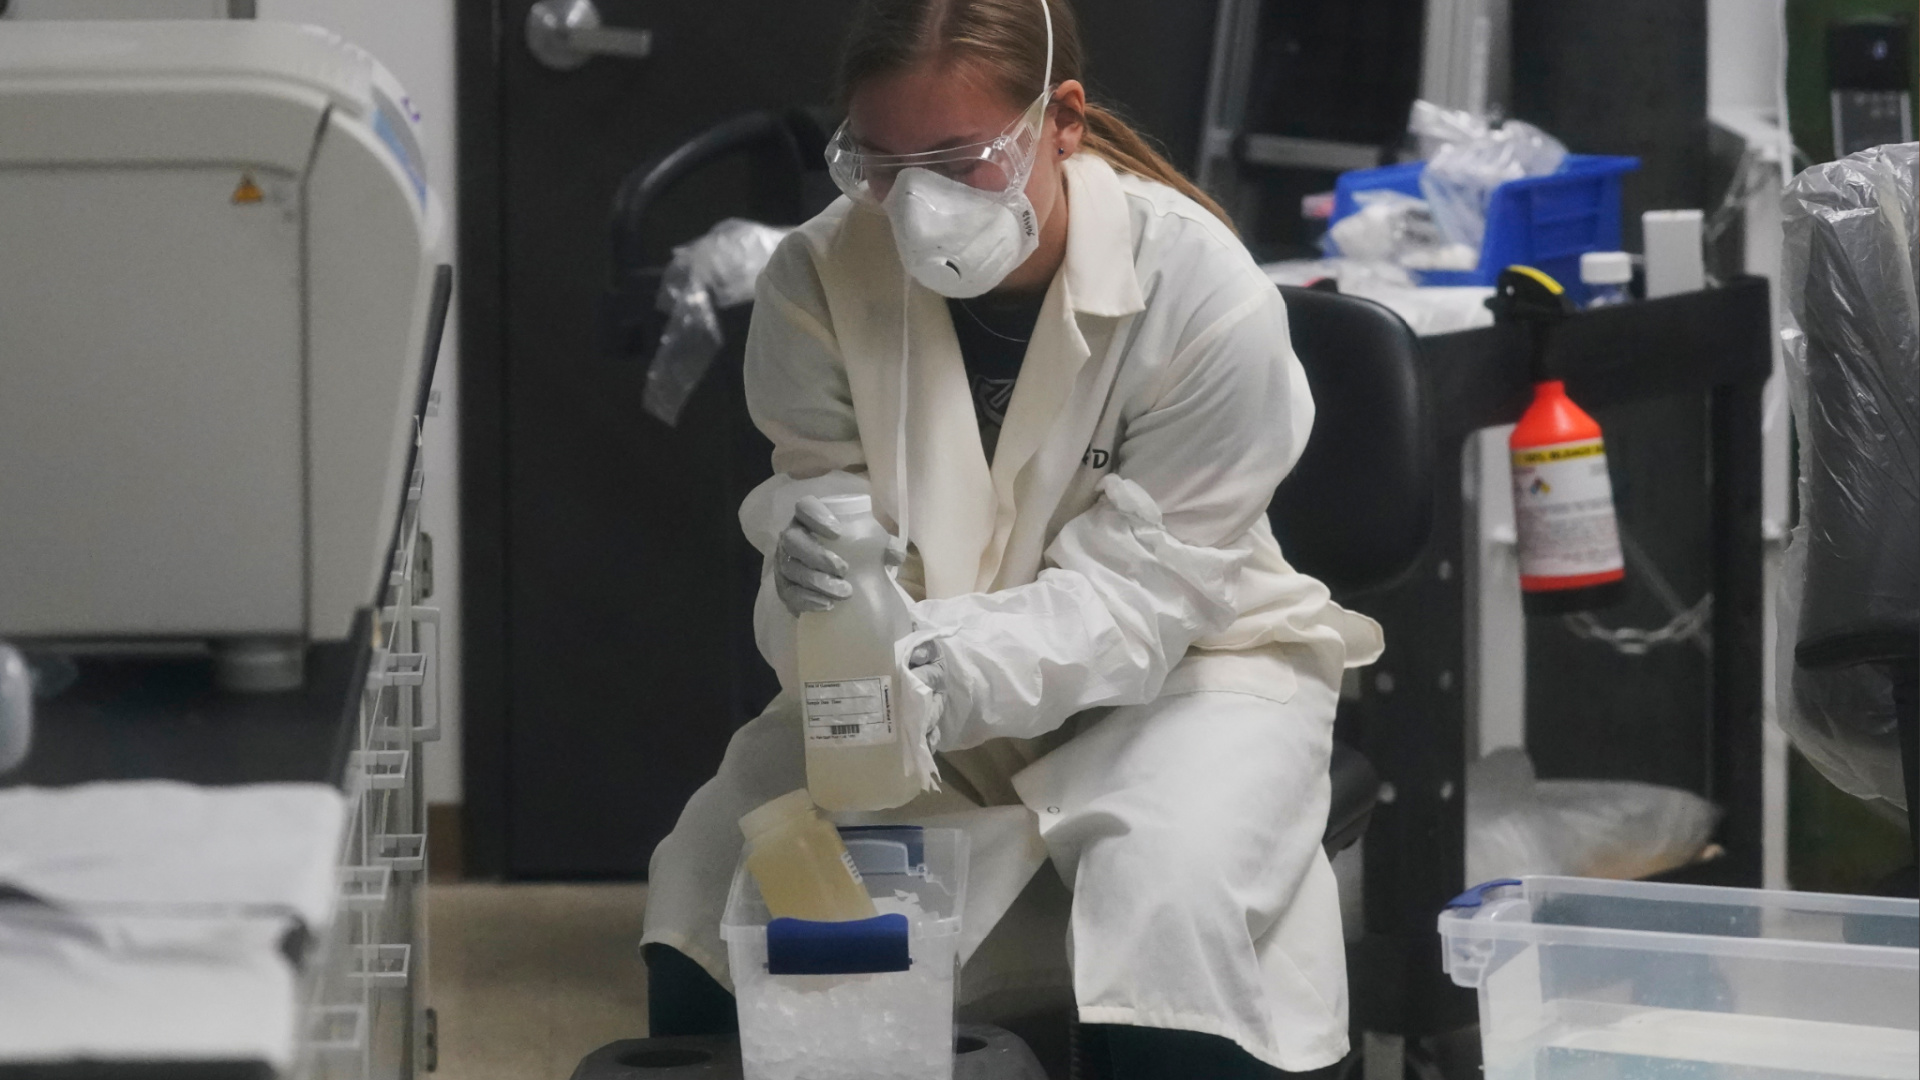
x=1358, y=507
x=787, y=152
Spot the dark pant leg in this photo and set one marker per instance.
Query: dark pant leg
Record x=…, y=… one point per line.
x=682, y=999
x=1119, y=1052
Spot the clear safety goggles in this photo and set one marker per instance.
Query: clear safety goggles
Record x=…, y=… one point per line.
x=998, y=166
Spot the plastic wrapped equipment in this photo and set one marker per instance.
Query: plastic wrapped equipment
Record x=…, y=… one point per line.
x=1853, y=367
x=714, y=272
x=1469, y=158
x=1392, y=227
x=1517, y=825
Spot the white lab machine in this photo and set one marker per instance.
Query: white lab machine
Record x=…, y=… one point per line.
x=220, y=286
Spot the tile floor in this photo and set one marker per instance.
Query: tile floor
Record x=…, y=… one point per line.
x=527, y=979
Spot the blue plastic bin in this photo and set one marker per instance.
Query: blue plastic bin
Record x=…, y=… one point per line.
x=1546, y=222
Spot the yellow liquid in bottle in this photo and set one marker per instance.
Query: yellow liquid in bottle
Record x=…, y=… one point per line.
x=856, y=753
x=802, y=868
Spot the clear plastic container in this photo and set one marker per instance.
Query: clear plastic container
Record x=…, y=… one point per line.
x=868, y=1000
x=857, y=758
x=1583, y=978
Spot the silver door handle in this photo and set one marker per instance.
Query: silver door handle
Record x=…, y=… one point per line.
x=564, y=34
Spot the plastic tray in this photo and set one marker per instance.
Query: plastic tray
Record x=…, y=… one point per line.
x=1586, y=978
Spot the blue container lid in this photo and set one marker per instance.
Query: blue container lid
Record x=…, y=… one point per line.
x=856, y=947
x=913, y=836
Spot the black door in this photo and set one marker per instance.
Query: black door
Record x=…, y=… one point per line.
x=600, y=597
x=601, y=547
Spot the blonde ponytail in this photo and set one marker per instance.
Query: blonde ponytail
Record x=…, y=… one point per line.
x=1127, y=150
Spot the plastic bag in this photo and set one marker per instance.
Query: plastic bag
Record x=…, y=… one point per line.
x=1469, y=158
x=717, y=271
x=1852, y=343
x=1386, y=224
x=1620, y=829
x=1391, y=227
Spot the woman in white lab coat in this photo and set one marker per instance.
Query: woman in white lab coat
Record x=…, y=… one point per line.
x=1047, y=356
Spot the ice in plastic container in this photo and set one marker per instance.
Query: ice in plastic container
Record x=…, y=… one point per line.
x=864, y=1000
x=1597, y=980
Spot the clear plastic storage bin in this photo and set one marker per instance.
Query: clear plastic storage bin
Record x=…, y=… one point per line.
x=866, y=1000
x=1596, y=980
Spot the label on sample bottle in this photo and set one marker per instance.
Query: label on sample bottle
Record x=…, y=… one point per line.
x=850, y=712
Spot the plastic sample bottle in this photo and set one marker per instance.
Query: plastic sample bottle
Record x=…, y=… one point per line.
x=1606, y=275
x=856, y=757
x=800, y=864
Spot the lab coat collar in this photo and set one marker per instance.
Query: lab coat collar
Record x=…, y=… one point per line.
x=1099, y=273
x=1097, y=280
x=963, y=511
x=948, y=482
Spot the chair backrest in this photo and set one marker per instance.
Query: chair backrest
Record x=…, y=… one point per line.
x=790, y=184
x=1357, y=510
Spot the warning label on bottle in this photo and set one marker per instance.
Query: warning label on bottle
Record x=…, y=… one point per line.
x=1563, y=510
x=850, y=712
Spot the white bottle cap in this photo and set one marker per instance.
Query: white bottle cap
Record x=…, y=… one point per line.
x=1606, y=268
x=846, y=506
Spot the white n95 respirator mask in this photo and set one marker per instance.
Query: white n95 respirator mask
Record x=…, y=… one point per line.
x=958, y=240
x=960, y=215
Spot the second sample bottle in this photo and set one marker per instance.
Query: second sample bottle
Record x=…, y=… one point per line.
x=800, y=863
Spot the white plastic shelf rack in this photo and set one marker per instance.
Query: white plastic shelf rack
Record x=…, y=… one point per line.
x=366, y=1002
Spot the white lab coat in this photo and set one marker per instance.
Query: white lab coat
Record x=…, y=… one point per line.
x=1107, y=592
